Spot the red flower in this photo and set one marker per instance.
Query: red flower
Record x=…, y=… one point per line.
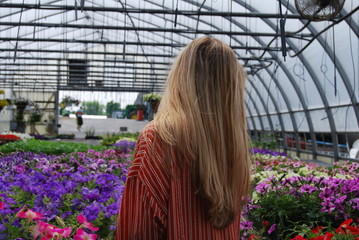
x=254, y=237
x=317, y=238
x=299, y=237
x=328, y=236
x=317, y=229
x=341, y=229
x=9, y=137
x=1, y=205
x=352, y=230
x=265, y=223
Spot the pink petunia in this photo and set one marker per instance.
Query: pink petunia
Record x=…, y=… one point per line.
x=48, y=231
x=29, y=214
x=82, y=235
x=81, y=219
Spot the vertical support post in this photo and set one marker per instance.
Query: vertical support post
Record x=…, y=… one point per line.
x=12, y=98
x=57, y=97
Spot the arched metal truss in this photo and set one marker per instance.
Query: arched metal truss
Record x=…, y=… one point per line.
x=123, y=45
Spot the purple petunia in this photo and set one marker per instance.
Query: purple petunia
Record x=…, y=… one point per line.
x=328, y=206
x=246, y=225
x=125, y=146
x=272, y=228
x=307, y=189
x=326, y=193
x=355, y=203
x=266, y=152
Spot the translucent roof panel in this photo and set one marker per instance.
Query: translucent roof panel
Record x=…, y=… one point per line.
x=128, y=46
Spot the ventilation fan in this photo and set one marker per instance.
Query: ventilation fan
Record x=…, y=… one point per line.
x=319, y=10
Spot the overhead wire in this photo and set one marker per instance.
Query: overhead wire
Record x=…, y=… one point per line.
x=354, y=79
x=324, y=70
x=325, y=29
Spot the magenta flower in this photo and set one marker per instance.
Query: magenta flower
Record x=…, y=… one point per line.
x=328, y=206
x=307, y=189
x=85, y=223
x=246, y=225
x=355, y=203
x=29, y=214
x=48, y=231
x=262, y=187
x=82, y=235
x=326, y=193
x=272, y=228
x=1, y=205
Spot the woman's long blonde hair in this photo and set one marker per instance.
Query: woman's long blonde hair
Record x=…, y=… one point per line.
x=202, y=115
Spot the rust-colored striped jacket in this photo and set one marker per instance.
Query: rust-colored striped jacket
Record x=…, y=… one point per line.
x=158, y=205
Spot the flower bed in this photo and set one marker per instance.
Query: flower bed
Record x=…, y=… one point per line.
x=77, y=196
x=61, y=189
x=291, y=198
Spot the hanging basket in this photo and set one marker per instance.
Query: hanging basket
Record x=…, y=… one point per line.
x=154, y=106
x=21, y=107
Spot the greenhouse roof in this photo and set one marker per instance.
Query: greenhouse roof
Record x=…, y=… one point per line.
x=302, y=79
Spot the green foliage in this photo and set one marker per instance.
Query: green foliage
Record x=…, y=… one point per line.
x=112, y=107
x=50, y=148
x=265, y=142
x=152, y=97
x=292, y=214
x=110, y=139
x=128, y=110
x=93, y=108
x=35, y=116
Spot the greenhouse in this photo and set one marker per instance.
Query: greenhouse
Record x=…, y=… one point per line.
x=112, y=59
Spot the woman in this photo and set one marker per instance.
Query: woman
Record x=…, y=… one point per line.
x=79, y=120
x=191, y=168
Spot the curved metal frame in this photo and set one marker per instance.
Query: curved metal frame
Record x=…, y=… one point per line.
x=266, y=18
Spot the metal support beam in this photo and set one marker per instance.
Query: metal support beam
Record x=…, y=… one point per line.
x=152, y=44
x=172, y=30
x=143, y=11
x=128, y=54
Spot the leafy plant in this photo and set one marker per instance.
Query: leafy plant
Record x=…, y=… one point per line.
x=265, y=142
x=128, y=110
x=35, y=115
x=91, y=133
x=152, y=97
x=21, y=101
x=3, y=103
x=111, y=139
x=41, y=146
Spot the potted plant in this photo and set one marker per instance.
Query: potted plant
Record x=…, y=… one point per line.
x=34, y=117
x=19, y=125
x=3, y=102
x=154, y=99
x=21, y=104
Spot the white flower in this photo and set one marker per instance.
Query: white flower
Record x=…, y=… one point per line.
x=305, y=171
x=23, y=136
